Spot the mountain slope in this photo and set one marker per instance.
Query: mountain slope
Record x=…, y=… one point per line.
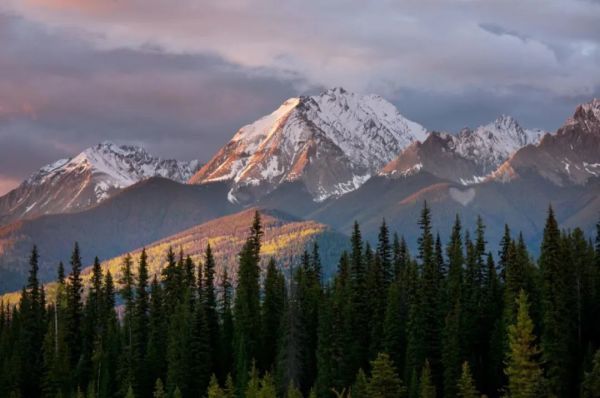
x=331, y=142
x=143, y=213
x=571, y=156
x=285, y=239
x=89, y=178
x=467, y=157
x=563, y=170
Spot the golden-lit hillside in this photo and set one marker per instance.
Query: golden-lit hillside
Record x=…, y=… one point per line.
x=284, y=239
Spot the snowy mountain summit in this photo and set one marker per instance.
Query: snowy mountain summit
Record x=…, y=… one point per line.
x=332, y=143
x=89, y=178
x=491, y=144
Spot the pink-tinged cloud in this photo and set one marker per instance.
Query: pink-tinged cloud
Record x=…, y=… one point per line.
x=7, y=184
x=379, y=46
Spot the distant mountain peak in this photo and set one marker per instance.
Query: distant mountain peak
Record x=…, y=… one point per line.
x=87, y=179
x=333, y=142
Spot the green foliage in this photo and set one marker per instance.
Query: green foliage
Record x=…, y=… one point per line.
x=426, y=387
x=591, y=382
x=384, y=381
x=525, y=378
x=382, y=311
x=466, y=386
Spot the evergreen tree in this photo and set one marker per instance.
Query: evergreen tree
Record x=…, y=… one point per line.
x=359, y=389
x=466, y=385
x=272, y=311
x=590, y=388
x=384, y=381
x=557, y=337
x=214, y=390
x=384, y=252
x=31, y=337
x=359, y=316
x=139, y=339
x=157, y=333
x=394, y=329
x=159, y=390
x=522, y=365
x=210, y=308
x=247, y=303
x=227, y=327
x=426, y=388
x=74, y=313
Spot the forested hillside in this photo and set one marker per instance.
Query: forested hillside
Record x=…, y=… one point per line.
x=450, y=320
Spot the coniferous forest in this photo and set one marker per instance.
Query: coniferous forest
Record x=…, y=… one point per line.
x=449, y=320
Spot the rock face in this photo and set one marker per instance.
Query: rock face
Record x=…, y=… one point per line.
x=571, y=156
x=468, y=157
x=332, y=143
x=89, y=178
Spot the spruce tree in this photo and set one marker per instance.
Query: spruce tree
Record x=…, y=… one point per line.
x=74, y=313
x=157, y=333
x=426, y=386
x=247, y=304
x=557, y=337
x=210, y=308
x=143, y=385
x=384, y=381
x=523, y=370
x=466, y=386
x=359, y=316
x=272, y=311
x=590, y=388
x=384, y=252
x=227, y=328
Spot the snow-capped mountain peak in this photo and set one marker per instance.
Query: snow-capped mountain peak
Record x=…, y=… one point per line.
x=491, y=144
x=87, y=179
x=332, y=142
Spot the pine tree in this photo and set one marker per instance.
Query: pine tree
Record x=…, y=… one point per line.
x=157, y=333
x=247, y=303
x=210, y=308
x=384, y=381
x=557, y=337
x=426, y=388
x=159, y=390
x=384, y=252
x=200, y=364
x=359, y=388
x=359, y=316
x=227, y=327
x=74, y=314
x=428, y=305
x=142, y=385
x=590, y=388
x=394, y=329
x=31, y=336
x=522, y=367
x=272, y=311
x=466, y=385
x=127, y=282
x=290, y=361
x=214, y=390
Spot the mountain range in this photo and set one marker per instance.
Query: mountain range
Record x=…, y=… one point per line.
x=96, y=174
x=328, y=159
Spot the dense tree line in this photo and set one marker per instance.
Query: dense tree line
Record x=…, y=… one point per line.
x=453, y=320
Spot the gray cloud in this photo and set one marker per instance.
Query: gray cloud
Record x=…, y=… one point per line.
x=181, y=77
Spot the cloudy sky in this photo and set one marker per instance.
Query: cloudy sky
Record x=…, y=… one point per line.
x=179, y=77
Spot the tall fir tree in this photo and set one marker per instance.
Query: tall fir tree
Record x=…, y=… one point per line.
x=247, y=304
x=523, y=370
x=557, y=337
x=272, y=311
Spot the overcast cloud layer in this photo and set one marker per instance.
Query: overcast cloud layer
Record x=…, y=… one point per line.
x=180, y=77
